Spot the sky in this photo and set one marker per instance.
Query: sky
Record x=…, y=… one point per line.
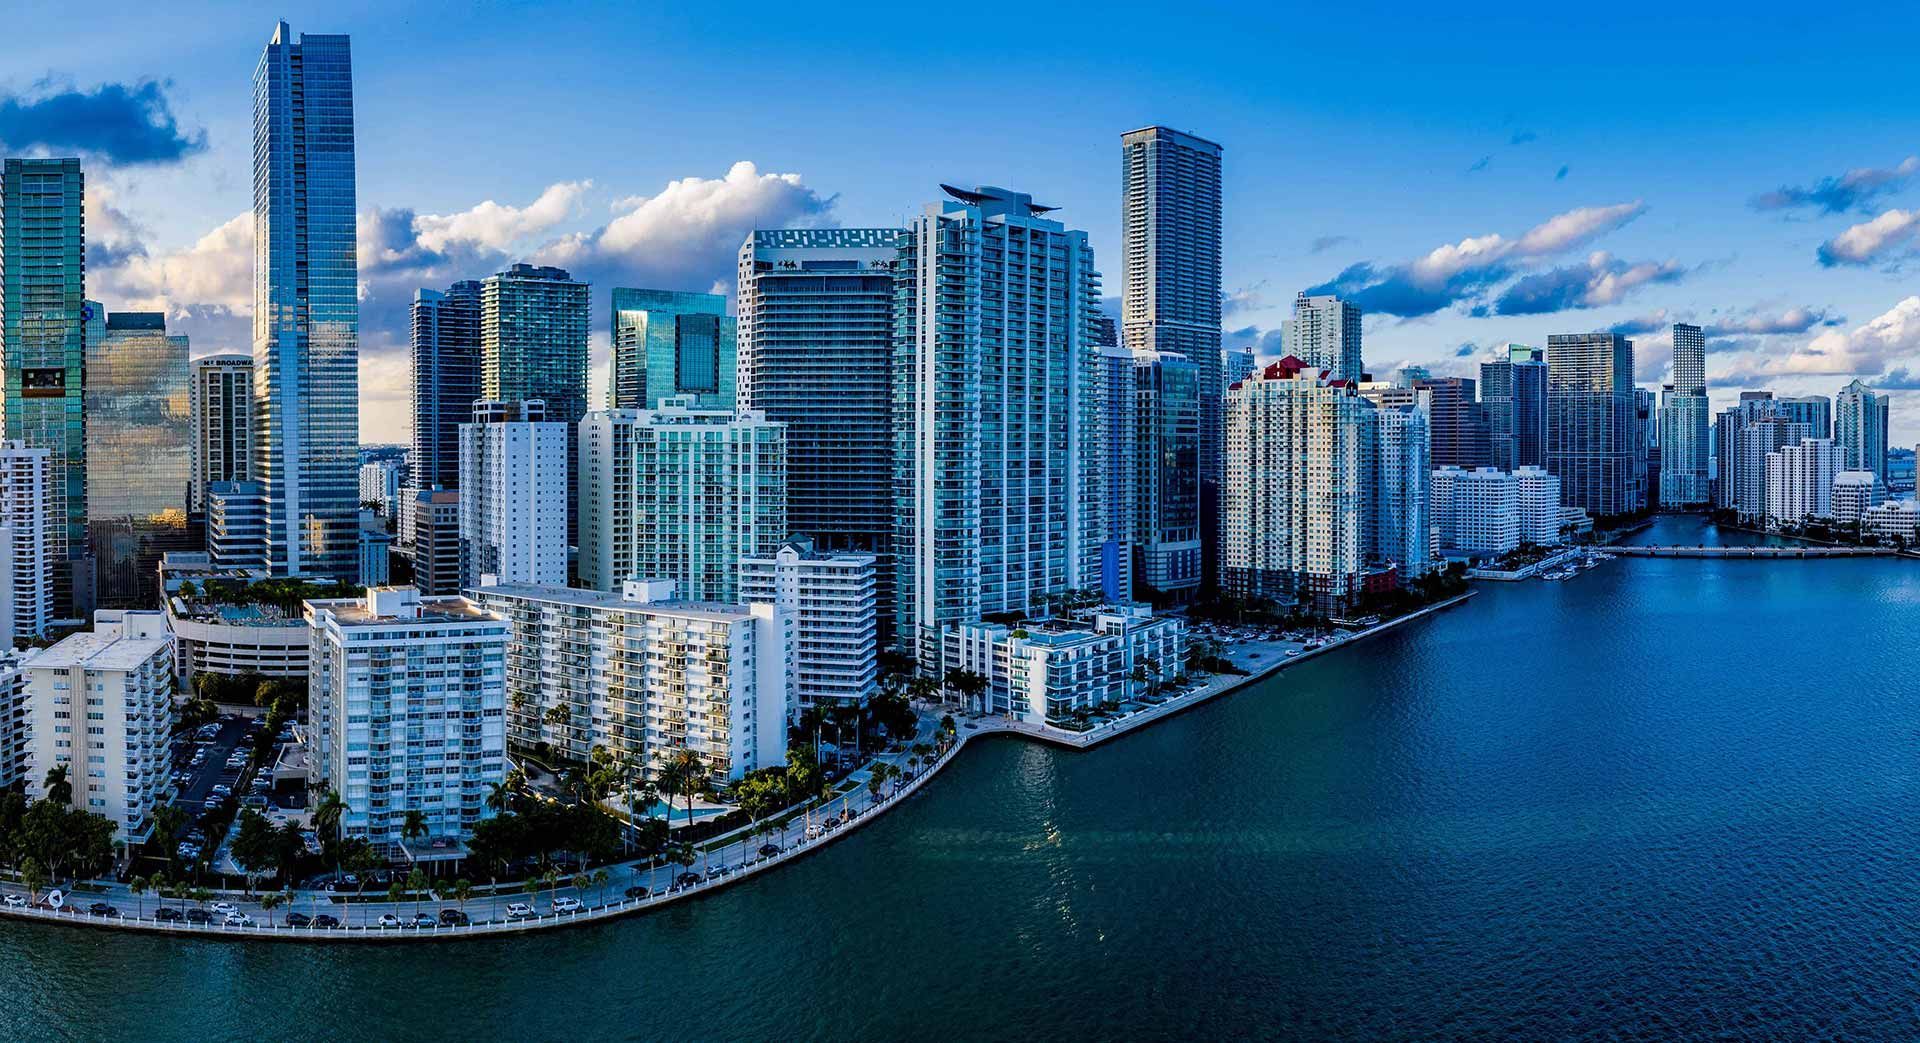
x=1471, y=178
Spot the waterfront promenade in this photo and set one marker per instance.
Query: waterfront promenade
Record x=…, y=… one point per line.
x=723, y=861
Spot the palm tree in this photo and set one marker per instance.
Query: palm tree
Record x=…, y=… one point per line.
x=59, y=786
x=138, y=885
x=327, y=813
x=417, y=883
x=686, y=776
x=462, y=890
x=269, y=902
x=600, y=885
x=499, y=797
x=414, y=825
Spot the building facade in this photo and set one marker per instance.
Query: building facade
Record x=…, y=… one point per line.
x=831, y=598
x=437, y=568
x=669, y=344
x=1591, y=424
x=1860, y=428
x=534, y=324
x=1461, y=432
x=444, y=348
x=1048, y=672
x=1513, y=397
x=1324, y=333
x=513, y=495
x=27, y=519
x=139, y=446
x=380, y=486
x=1166, y=489
x=1800, y=482
x=1854, y=494
x=1120, y=476
x=1400, y=490
x=220, y=398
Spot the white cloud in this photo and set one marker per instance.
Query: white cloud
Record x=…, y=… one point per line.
x=493, y=225
x=1862, y=351
x=216, y=270
x=1577, y=228
x=1865, y=242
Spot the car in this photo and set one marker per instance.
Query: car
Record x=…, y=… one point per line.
x=299, y=920
x=326, y=921
x=769, y=850
x=814, y=829
x=389, y=920
x=566, y=904
x=519, y=910
x=453, y=918
x=210, y=803
x=718, y=872
x=14, y=901
x=102, y=909
x=224, y=908
x=199, y=916
x=167, y=914
x=687, y=879
x=423, y=920
x=221, y=789
x=636, y=891
x=237, y=920
x=254, y=801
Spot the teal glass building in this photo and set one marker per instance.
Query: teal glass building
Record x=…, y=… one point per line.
x=670, y=344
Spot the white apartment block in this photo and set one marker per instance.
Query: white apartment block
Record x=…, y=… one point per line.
x=1045, y=671
x=1538, y=502
x=1855, y=493
x=380, y=486
x=14, y=720
x=407, y=697
x=1294, y=518
x=100, y=703
x=679, y=493
x=26, y=519
x=1800, y=482
x=644, y=675
x=1401, y=490
x=1894, y=521
x=513, y=495
x=833, y=599
x=1477, y=512
x=1324, y=333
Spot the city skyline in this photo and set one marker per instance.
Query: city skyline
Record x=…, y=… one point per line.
x=1526, y=224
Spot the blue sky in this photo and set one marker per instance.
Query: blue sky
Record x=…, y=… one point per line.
x=1491, y=176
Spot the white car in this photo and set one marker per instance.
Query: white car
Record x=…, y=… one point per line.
x=15, y=901
x=389, y=920
x=567, y=905
x=238, y=920
x=519, y=910
x=226, y=908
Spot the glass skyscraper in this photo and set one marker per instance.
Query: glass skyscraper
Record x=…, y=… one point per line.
x=445, y=345
x=1683, y=423
x=670, y=344
x=44, y=319
x=139, y=443
x=1167, y=489
x=306, y=306
x=1590, y=422
x=534, y=324
x=1513, y=393
x=1860, y=428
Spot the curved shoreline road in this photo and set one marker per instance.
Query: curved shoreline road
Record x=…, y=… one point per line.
x=740, y=858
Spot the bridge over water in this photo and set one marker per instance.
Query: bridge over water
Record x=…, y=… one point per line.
x=1751, y=552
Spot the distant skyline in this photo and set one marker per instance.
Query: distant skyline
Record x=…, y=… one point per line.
x=1469, y=181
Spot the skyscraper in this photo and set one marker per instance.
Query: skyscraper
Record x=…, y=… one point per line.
x=1590, y=421
x=533, y=344
x=1689, y=359
x=220, y=399
x=27, y=522
x=1324, y=333
x=1860, y=429
x=44, y=319
x=1167, y=491
x=306, y=305
x=1460, y=424
x=1513, y=395
x=139, y=444
x=668, y=343
x=997, y=413
x=1400, y=489
x=1120, y=474
x=1800, y=482
x=513, y=489
x=1815, y=411
x=1684, y=447
x=445, y=348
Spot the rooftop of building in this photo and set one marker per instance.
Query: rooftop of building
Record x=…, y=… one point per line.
x=108, y=646
x=385, y=606
x=611, y=600
x=803, y=548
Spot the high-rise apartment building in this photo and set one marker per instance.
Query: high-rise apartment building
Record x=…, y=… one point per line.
x=408, y=697
x=1800, y=482
x=643, y=674
x=1170, y=253
x=380, y=486
x=436, y=542
x=1860, y=428
x=44, y=321
x=1756, y=441
x=816, y=354
x=1685, y=450
x=1460, y=423
x=220, y=398
x=445, y=353
x=997, y=414
x=13, y=716
x=1400, y=490
x=1119, y=477
x=1815, y=411
x=513, y=495
x=1166, y=492
x=669, y=344
x=534, y=324
x=140, y=439
x=1854, y=494
x=101, y=706
x=27, y=521
x=1689, y=359
x=681, y=494
x=830, y=596
x=306, y=305
x=1236, y=365
x=1513, y=397
x=1590, y=420
x=1324, y=333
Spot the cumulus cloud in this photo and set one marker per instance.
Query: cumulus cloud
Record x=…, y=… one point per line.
x=1834, y=195
x=1863, y=350
x=1766, y=324
x=1870, y=241
x=125, y=124
x=1265, y=341
x=1465, y=271
x=498, y=227
x=1600, y=280
x=1901, y=378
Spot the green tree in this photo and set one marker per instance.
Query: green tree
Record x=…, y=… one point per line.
x=138, y=886
x=34, y=876
x=254, y=846
x=413, y=824
x=59, y=785
x=685, y=775
x=417, y=883
x=462, y=890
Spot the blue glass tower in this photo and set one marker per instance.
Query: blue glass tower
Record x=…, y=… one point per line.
x=306, y=311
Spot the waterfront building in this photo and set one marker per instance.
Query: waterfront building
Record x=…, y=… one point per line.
x=1408, y=375
x=14, y=720
x=380, y=486
x=1170, y=254
x=44, y=322
x=669, y=344
x=1477, y=512
x=27, y=522
x=1682, y=422
x=1400, y=490
x=679, y=493
x=1860, y=428
x=237, y=524
x=816, y=354
x=100, y=704
x=1590, y=423
x=997, y=416
x=1324, y=333
x=534, y=324
x=1892, y=522
x=513, y=495
x=830, y=596
x=139, y=443
x=645, y=676
x=1460, y=423
x=1542, y=517
x=1800, y=482
x=1513, y=398
x=1293, y=498
x=306, y=305
x=444, y=349
x=436, y=542
x=1120, y=478
x=1854, y=494
x=408, y=702
x=1759, y=436
x=1047, y=672
x=1166, y=487
x=220, y=399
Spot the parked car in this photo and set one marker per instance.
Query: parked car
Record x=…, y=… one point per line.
x=687, y=879
x=453, y=918
x=102, y=909
x=519, y=911
x=224, y=907
x=299, y=920
x=423, y=920
x=14, y=901
x=567, y=904
x=389, y=920
x=199, y=916
x=769, y=850
x=167, y=914
x=636, y=891
x=326, y=921
x=237, y=920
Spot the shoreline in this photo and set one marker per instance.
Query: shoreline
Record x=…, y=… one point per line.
x=968, y=729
